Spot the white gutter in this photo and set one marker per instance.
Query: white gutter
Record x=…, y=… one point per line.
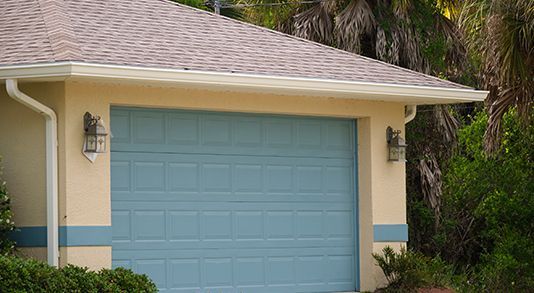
x=364, y=90
x=411, y=111
x=51, y=167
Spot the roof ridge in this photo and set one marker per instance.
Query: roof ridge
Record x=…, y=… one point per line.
x=61, y=36
x=369, y=59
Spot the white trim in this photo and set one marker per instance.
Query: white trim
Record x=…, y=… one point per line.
x=371, y=91
x=51, y=167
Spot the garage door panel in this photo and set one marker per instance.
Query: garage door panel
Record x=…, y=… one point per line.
x=199, y=253
x=170, y=131
x=148, y=128
x=221, y=158
x=221, y=244
x=296, y=270
x=190, y=228
x=236, y=197
x=301, y=152
x=137, y=244
x=234, y=202
x=171, y=174
x=265, y=204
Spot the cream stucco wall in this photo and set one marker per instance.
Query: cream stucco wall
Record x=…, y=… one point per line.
x=93, y=257
x=22, y=146
x=85, y=187
x=38, y=253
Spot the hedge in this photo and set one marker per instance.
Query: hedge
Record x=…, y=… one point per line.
x=27, y=275
x=7, y=225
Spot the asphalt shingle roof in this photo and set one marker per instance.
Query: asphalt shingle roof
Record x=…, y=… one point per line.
x=163, y=34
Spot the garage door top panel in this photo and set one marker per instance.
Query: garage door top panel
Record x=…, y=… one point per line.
x=171, y=131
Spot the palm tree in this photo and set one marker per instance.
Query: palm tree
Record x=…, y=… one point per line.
x=409, y=33
x=501, y=34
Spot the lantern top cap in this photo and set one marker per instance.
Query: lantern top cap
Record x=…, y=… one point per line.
x=397, y=140
x=393, y=137
x=94, y=125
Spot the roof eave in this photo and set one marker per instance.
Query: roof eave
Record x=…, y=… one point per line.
x=249, y=82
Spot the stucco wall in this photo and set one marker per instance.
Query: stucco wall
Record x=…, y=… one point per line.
x=22, y=146
x=381, y=183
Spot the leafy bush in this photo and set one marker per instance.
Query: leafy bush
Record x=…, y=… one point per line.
x=6, y=223
x=26, y=275
x=489, y=206
x=124, y=278
x=406, y=271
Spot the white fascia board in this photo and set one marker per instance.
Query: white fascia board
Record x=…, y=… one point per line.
x=363, y=90
x=36, y=71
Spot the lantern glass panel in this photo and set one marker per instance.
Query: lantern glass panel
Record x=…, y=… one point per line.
x=95, y=137
x=402, y=154
x=91, y=143
x=393, y=153
x=101, y=143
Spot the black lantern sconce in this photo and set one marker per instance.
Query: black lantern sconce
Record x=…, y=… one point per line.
x=396, y=145
x=95, y=134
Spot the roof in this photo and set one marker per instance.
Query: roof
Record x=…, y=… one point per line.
x=164, y=34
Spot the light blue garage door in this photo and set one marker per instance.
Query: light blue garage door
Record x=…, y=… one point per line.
x=215, y=202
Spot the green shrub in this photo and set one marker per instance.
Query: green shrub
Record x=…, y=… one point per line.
x=489, y=206
x=117, y=278
x=26, y=275
x=6, y=223
x=78, y=279
x=406, y=271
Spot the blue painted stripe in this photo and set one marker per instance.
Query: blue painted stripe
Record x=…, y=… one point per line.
x=85, y=236
x=390, y=232
x=29, y=236
x=68, y=236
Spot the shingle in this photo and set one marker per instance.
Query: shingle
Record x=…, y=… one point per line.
x=163, y=34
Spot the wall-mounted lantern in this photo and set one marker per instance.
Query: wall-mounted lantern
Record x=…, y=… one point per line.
x=396, y=145
x=95, y=134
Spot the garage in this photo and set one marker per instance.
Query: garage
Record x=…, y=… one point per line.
x=228, y=202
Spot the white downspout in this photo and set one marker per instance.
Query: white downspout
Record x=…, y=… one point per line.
x=409, y=115
x=51, y=167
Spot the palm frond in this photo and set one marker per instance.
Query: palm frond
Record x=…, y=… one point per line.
x=431, y=183
x=401, y=8
x=502, y=33
x=314, y=24
x=456, y=55
x=411, y=55
x=514, y=35
x=447, y=123
x=517, y=96
x=352, y=23
x=387, y=49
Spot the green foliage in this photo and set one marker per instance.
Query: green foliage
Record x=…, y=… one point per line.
x=425, y=137
x=433, y=45
x=421, y=221
x=489, y=206
x=6, y=223
x=407, y=271
x=124, y=278
x=26, y=275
